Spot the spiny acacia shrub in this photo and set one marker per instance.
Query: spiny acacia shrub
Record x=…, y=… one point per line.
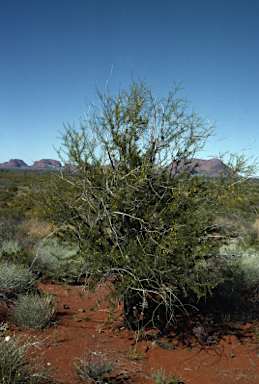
x=144, y=228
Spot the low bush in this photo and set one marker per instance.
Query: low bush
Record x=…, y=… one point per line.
x=6, y=196
x=13, y=189
x=8, y=232
x=13, y=253
x=3, y=204
x=58, y=261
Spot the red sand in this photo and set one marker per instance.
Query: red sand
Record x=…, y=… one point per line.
x=235, y=360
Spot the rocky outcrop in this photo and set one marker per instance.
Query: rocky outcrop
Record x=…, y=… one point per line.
x=213, y=167
x=41, y=164
x=14, y=163
x=47, y=164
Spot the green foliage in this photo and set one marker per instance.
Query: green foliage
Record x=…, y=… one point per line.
x=8, y=232
x=13, y=189
x=3, y=204
x=247, y=273
x=6, y=196
x=17, y=255
x=146, y=228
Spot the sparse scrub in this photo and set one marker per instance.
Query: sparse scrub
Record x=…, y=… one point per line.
x=8, y=232
x=95, y=365
x=158, y=376
x=32, y=311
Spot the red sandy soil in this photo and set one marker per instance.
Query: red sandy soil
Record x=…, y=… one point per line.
x=178, y=351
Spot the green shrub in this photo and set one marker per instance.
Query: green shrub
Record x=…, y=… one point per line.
x=24, y=207
x=247, y=272
x=10, y=246
x=13, y=253
x=145, y=227
x=6, y=196
x=8, y=232
x=13, y=189
x=33, y=311
x=3, y=204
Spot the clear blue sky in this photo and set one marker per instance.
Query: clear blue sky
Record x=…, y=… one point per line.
x=51, y=51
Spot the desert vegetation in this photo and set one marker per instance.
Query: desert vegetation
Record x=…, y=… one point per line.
x=163, y=241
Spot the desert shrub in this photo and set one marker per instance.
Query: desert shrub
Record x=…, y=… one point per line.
x=14, y=213
x=19, y=204
x=13, y=189
x=15, y=367
x=247, y=273
x=230, y=302
x=15, y=279
x=5, y=213
x=8, y=232
x=32, y=310
x=13, y=253
x=6, y=196
x=59, y=261
x=11, y=245
x=3, y=204
x=142, y=224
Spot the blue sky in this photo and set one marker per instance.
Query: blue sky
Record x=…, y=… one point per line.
x=51, y=51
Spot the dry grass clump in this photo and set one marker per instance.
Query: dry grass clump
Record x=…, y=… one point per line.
x=255, y=228
x=158, y=376
x=35, y=229
x=32, y=311
x=231, y=226
x=99, y=364
x=15, y=279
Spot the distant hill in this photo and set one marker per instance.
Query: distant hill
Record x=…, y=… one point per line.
x=41, y=164
x=211, y=167
x=14, y=163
